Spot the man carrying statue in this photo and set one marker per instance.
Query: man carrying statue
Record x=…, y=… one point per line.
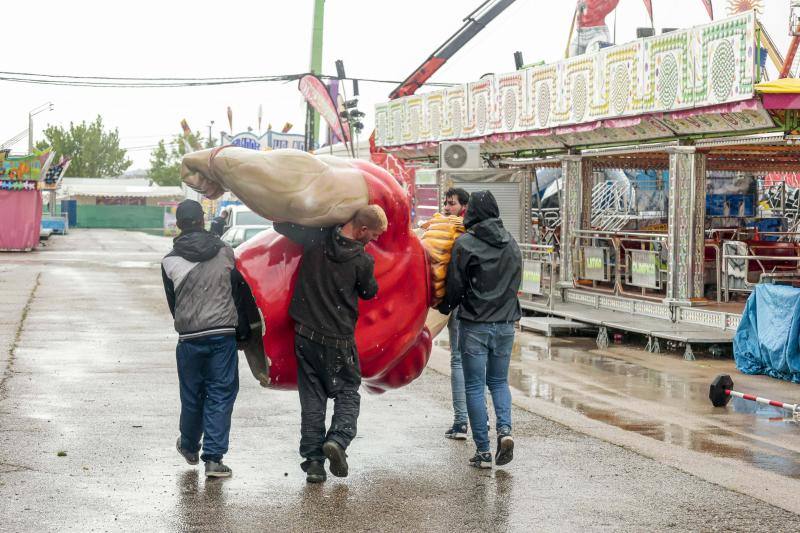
x=335, y=272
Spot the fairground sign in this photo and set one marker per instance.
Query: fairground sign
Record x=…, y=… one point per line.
x=532, y=277
x=644, y=269
x=594, y=263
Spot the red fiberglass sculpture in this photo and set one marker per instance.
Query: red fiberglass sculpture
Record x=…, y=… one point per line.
x=288, y=185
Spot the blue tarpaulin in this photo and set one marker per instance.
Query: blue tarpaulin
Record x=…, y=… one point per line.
x=768, y=338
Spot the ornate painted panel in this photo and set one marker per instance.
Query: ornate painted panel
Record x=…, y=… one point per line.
x=684, y=70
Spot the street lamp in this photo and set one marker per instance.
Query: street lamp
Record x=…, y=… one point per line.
x=47, y=106
x=209, y=133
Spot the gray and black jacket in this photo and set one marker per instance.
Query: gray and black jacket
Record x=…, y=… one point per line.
x=203, y=287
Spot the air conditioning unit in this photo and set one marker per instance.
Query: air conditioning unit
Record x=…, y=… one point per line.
x=460, y=155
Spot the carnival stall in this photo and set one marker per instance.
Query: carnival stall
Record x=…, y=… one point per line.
x=21, y=200
x=662, y=219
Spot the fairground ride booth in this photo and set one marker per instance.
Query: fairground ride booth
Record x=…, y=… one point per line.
x=21, y=200
x=666, y=204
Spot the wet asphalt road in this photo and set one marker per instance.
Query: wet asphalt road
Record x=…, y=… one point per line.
x=87, y=368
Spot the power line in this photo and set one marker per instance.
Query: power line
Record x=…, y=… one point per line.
x=148, y=147
x=145, y=82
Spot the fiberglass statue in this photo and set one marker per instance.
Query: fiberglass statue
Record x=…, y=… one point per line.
x=393, y=339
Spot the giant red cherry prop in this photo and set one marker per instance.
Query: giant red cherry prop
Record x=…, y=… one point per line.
x=393, y=342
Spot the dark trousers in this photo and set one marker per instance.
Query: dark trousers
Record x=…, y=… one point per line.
x=208, y=371
x=326, y=372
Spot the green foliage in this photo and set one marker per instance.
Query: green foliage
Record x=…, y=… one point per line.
x=165, y=159
x=95, y=152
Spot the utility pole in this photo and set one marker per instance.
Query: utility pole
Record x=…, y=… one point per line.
x=312, y=117
x=209, y=134
x=47, y=106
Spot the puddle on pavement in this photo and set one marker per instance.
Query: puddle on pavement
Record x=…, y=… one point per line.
x=559, y=372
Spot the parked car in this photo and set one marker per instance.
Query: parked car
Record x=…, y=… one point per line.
x=236, y=235
x=241, y=215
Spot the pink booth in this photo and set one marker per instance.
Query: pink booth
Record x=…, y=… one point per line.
x=21, y=201
x=20, y=219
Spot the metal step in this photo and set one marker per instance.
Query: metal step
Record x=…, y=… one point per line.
x=550, y=325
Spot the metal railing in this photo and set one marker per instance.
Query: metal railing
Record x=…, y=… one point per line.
x=611, y=205
x=618, y=263
x=548, y=221
x=764, y=275
x=539, y=273
x=717, y=267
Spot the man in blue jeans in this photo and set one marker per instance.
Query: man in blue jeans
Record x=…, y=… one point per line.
x=483, y=278
x=204, y=293
x=455, y=204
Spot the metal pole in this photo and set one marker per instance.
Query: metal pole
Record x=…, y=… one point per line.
x=30, y=133
x=539, y=202
x=315, y=68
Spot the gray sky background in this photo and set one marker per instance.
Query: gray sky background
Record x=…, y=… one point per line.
x=375, y=38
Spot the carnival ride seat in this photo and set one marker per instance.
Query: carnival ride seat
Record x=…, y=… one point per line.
x=773, y=249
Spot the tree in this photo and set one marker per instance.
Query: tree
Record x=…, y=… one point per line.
x=94, y=151
x=165, y=159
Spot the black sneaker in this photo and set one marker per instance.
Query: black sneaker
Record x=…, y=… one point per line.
x=315, y=472
x=337, y=458
x=191, y=457
x=457, y=432
x=505, y=449
x=214, y=469
x=481, y=460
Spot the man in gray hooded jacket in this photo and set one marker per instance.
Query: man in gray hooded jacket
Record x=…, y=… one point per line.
x=203, y=290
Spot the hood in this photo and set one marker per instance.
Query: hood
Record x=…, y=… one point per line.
x=197, y=245
x=340, y=248
x=483, y=219
x=492, y=232
x=481, y=206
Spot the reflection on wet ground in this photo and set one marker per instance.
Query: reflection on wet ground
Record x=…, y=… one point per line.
x=662, y=397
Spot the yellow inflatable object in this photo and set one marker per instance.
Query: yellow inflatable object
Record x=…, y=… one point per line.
x=440, y=235
x=783, y=86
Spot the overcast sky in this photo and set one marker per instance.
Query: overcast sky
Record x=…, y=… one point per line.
x=375, y=38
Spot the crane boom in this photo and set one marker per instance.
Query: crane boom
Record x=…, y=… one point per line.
x=473, y=24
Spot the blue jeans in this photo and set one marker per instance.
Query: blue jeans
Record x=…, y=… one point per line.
x=457, y=372
x=208, y=372
x=486, y=354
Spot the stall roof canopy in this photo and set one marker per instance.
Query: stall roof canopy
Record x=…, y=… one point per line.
x=117, y=187
x=758, y=155
x=692, y=82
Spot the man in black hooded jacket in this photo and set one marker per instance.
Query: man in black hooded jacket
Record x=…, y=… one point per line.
x=204, y=293
x=483, y=278
x=334, y=273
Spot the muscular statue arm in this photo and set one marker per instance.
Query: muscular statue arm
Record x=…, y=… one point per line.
x=281, y=185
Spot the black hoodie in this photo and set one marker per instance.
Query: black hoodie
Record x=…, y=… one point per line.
x=334, y=273
x=196, y=245
x=485, y=270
